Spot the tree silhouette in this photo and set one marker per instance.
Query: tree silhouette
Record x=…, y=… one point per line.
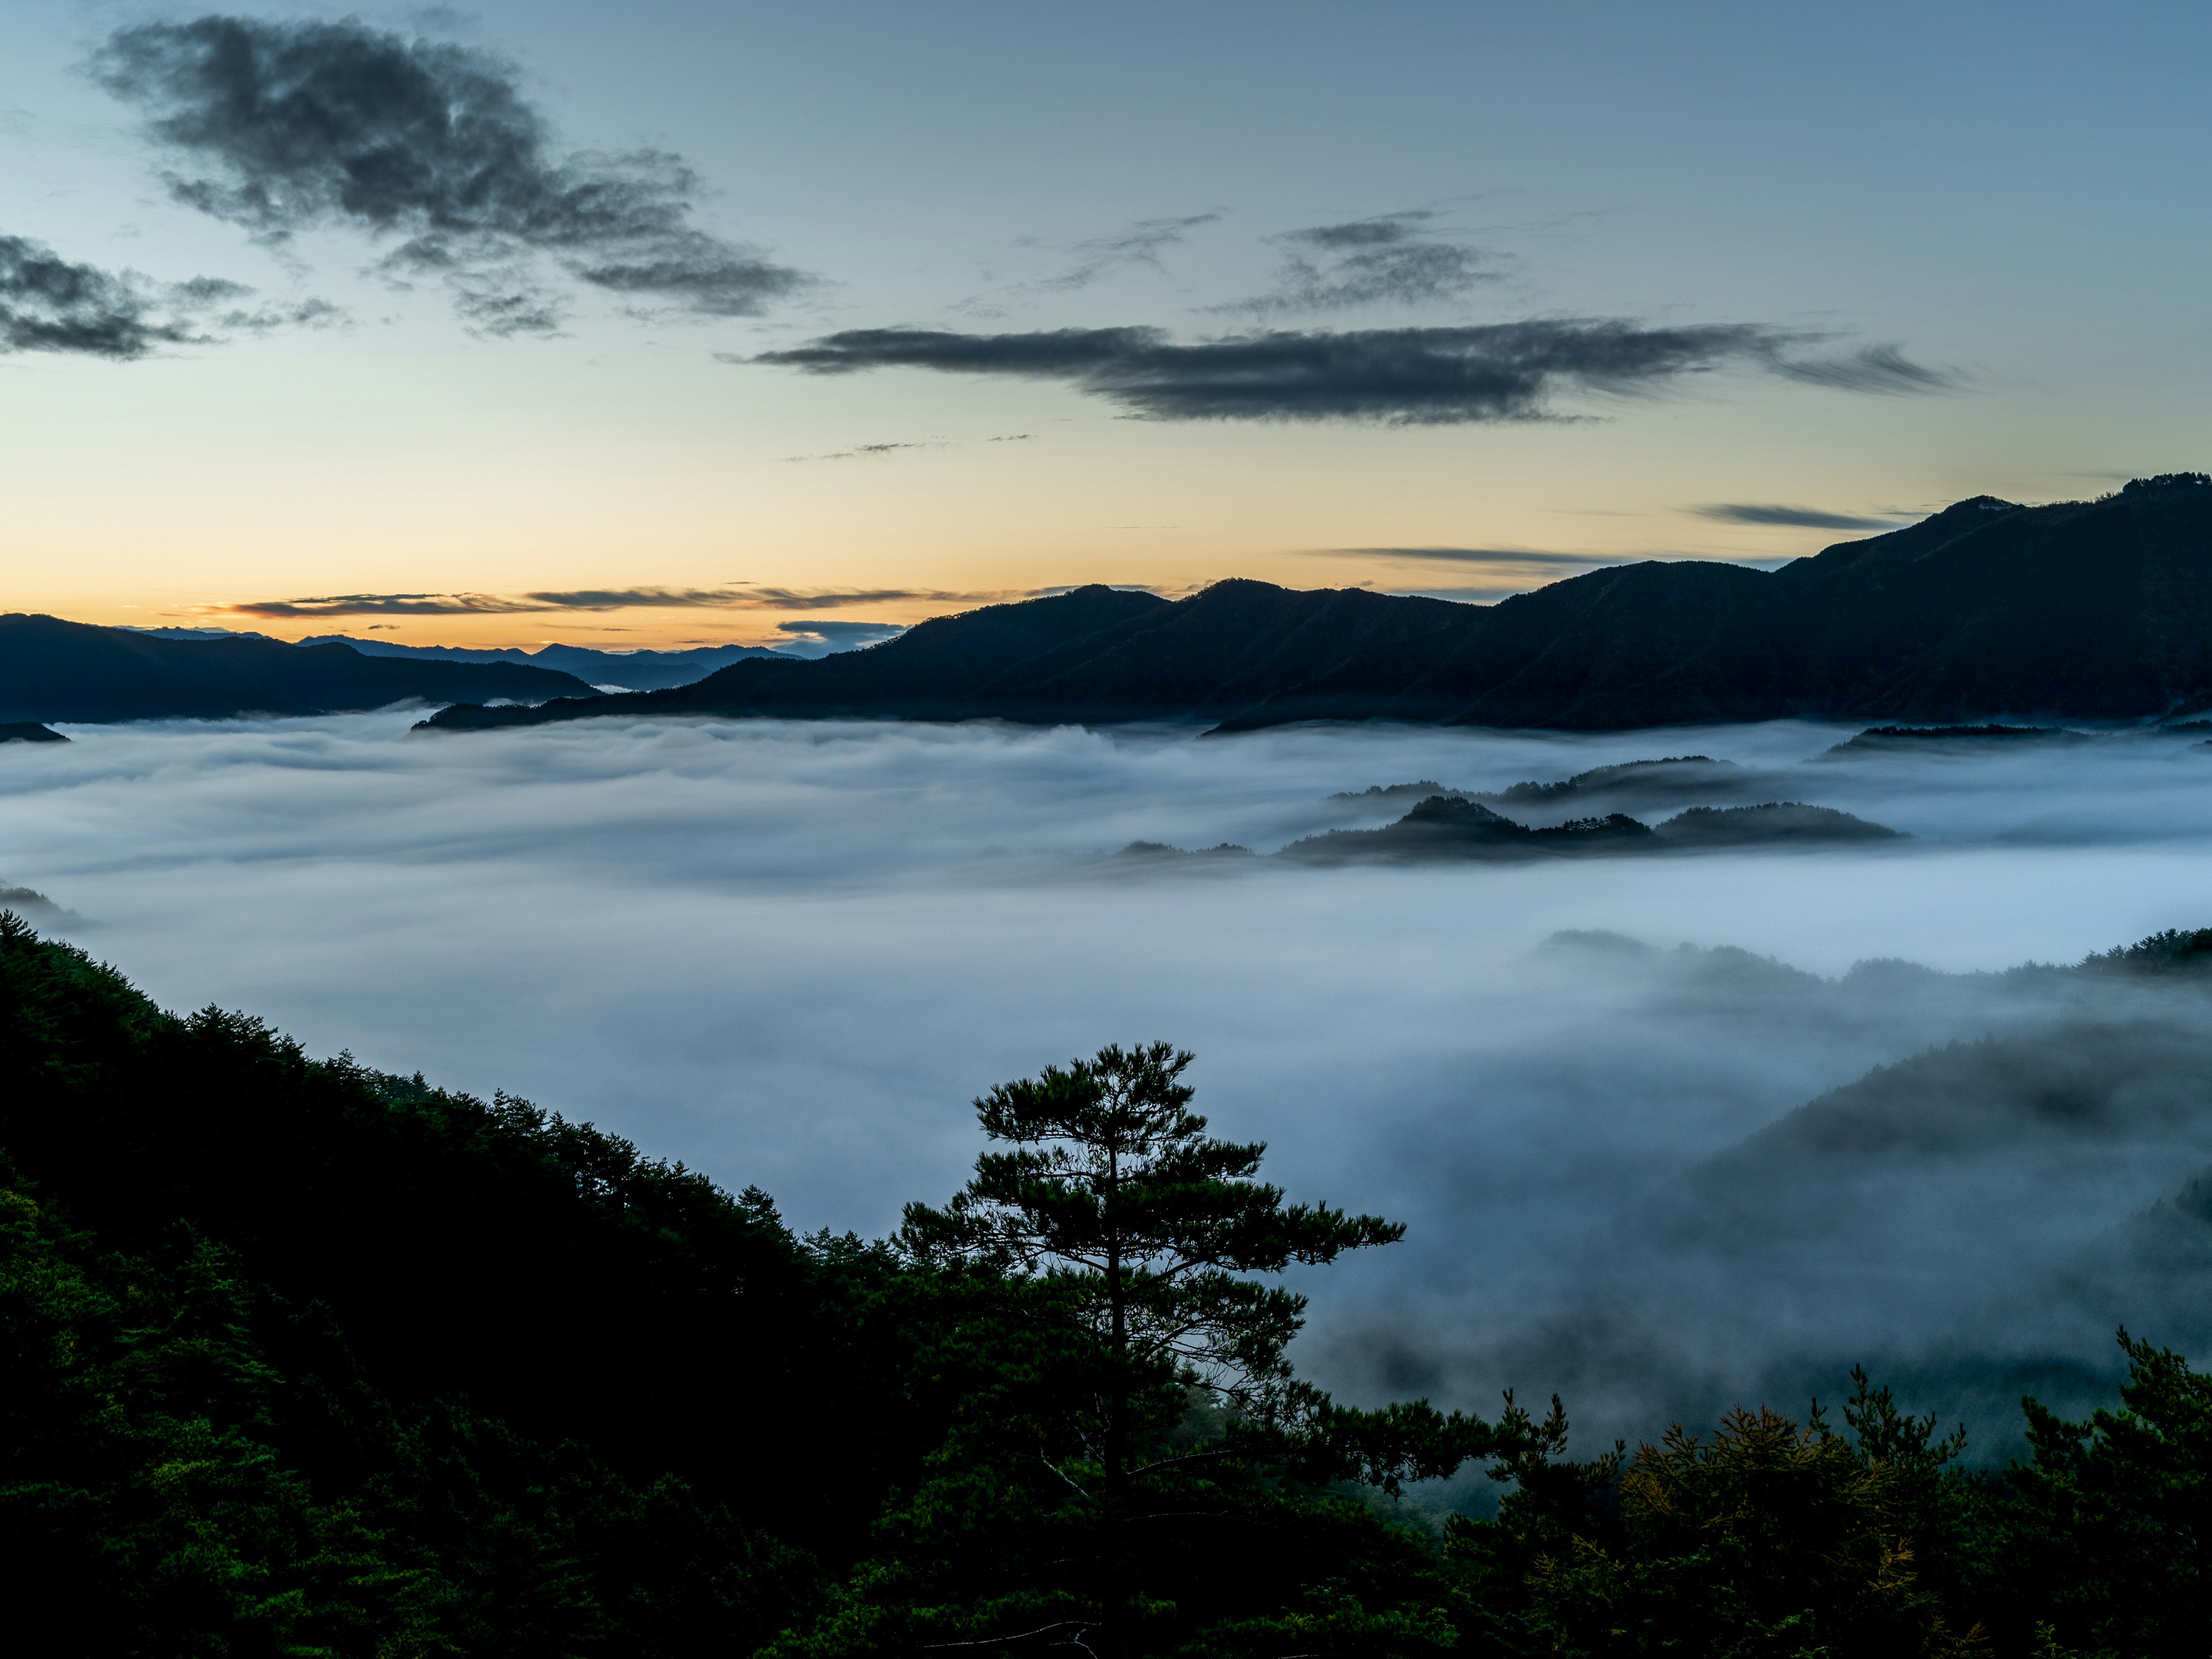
x=1138, y=1229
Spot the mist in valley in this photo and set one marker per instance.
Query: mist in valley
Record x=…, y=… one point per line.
x=1668, y=1132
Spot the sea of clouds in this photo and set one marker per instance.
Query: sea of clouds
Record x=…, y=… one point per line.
x=791, y=954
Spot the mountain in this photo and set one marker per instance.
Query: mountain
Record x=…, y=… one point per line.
x=51, y=670
x=633, y=671
x=2090, y=610
x=1097, y=654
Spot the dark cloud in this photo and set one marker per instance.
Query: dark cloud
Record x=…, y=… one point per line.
x=736, y=596
x=48, y=303
x=379, y=605
x=1391, y=259
x=1809, y=517
x=284, y=126
x=791, y=598
x=1398, y=376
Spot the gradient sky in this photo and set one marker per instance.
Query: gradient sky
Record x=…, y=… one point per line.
x=1964, y=248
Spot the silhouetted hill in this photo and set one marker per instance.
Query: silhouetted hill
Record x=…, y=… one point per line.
x=1454, y=829
x=2094, y=610
x=1095, y=655
x=29, y=731
x=51, y=670
x=1773, y=823
x=1445, y=827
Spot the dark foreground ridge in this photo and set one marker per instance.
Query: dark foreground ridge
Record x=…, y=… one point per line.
x=51, y=670
x=303, y=1358
x=2085, y=610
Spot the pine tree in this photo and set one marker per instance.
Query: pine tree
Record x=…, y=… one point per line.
x=1141, y=1229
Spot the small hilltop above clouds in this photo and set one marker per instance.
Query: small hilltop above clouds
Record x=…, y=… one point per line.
x=2084, y=610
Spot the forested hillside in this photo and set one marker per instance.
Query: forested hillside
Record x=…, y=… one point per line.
x=300, y=1358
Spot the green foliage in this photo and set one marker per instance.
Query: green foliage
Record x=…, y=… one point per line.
x=2114, y=1516
x=1133, y=1229
x=300, y=1359
x=2171, y=952
x=1765, y=1538
x=1130, y=1465
x=149, y=1484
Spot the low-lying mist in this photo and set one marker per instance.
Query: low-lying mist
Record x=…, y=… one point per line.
x=1628, y=1107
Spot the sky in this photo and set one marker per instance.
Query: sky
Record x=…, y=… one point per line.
x=664, y=324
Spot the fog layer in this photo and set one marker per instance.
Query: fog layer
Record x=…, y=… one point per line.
x=791, y=954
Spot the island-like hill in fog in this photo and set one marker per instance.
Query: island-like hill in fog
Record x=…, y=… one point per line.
x=51, y=670
x=2090, y=610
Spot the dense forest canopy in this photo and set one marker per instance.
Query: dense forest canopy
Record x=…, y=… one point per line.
x=297, y=1358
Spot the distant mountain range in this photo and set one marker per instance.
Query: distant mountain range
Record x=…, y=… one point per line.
x=628, y=671
x=51, y=670
x=633, y=671
x=2092, y=610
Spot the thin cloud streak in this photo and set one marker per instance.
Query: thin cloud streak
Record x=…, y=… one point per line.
x=1881, y=370
x=749, y=597
x=1809, y=517
x=870, y=452
x=1484, y=556
x=1494, y=373
x=1141, y=244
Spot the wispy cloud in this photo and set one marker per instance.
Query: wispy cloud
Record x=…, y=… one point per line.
x=736, y=597
x=48, y=303
x=869, y=451
x=1875, y=368
x=280, y=127
x=1809, y=517
x=1140, y=244
x=1393, y=259
x=1500, y=372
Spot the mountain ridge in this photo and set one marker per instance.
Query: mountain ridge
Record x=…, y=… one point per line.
x=82, y=673
x=2086, y=610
